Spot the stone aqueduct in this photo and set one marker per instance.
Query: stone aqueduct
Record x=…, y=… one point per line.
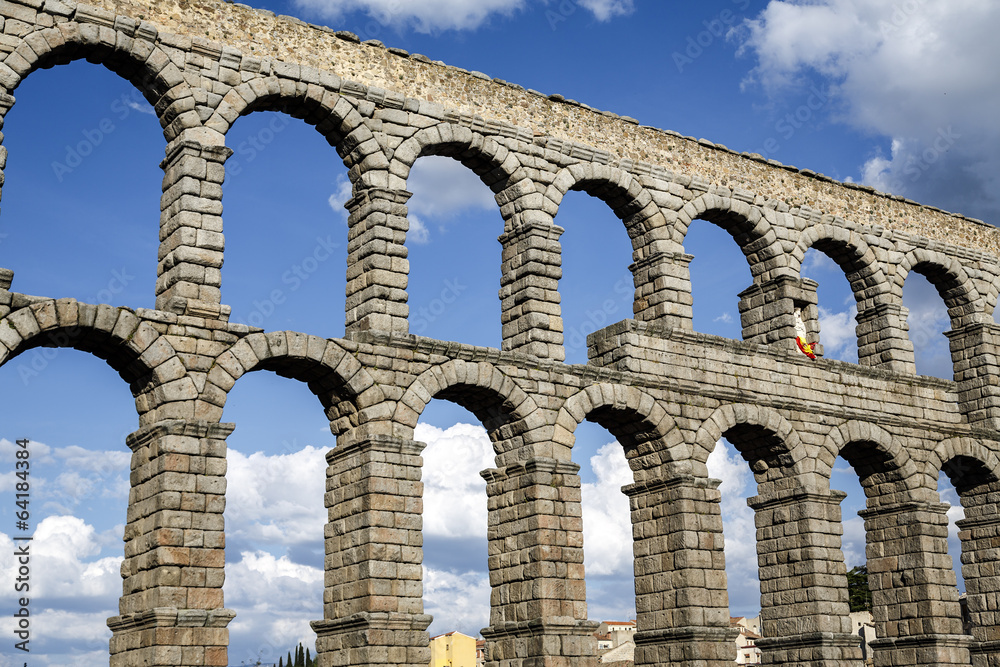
x=667, y=393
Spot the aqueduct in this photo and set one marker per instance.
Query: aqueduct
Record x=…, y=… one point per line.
x=666, y=392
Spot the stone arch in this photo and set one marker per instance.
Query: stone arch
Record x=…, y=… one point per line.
x=966, y=461
x=336, y=378
x=765, y=439
x=132, y=347
x=851, y=253
x=332, y=114
x=747, y=224
x=134, y=57
x=496, y=165
x=506, y=411
x=882, y=463
x=630, y=201
x=636, y=419
x=949, y=277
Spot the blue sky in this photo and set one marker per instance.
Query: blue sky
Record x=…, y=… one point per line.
x=858, y=90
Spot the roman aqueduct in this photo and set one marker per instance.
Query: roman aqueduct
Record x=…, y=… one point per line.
x=666, y=392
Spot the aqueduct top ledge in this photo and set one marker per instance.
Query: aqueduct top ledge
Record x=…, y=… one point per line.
x=567, y=125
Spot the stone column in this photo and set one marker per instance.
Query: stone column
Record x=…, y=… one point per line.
x=529, y=290
x=538, y=606
x=377, y=264
x=373, y=596
x=189, y=276
x=663, y=290
x=803, y=580
x=767, y=312
x=171, y=609
x=979, y=532
x=680, y=574
x=918, y=620
x=882, y=339
x=977, y=372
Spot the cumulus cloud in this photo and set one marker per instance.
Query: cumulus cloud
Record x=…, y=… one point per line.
x=838, y=333
x=444, y=188
x=276, y=500
x=341, y=195
x=454, y=492
x=917, y=73
x=607, y=524
x=726, y=464
x=274, y=599
x=458, y=601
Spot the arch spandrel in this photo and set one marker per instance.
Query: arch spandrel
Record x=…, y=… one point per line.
x=653, y=444
x=625, y=195
x=481, y=388
x=497, y=167
x=336, y=378
x=334, y=116
x=130, y=346
x=765, y=439
x=968, y=463
x=950, y=279
x=136, y=58
x=746, y=223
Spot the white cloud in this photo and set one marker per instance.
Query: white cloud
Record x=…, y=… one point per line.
x=853, y=542
x=458, y=601
x=278, y=499
x=820, y=262
x=838, y=333
x=605, y=10
x=424, y=16
x=444, y=188
x=919, y=73
x=725, y=318
x=274, y=599
x=418, y=231
x=454, y=492
x=607, y=523
x=726, y=464
x=341, y=195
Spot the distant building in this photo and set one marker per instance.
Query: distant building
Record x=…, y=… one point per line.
x=863, y=627
x=480, y=653
x=616, y=641
x=747, y=651
x=453, y=650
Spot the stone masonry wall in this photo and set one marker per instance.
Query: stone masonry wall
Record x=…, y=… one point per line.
x=667, y=393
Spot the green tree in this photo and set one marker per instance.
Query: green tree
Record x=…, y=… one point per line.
x=859, y=596
x=309, y=660
x=279, y=662
x=288, y=661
